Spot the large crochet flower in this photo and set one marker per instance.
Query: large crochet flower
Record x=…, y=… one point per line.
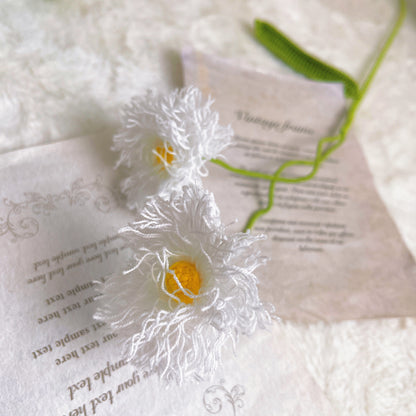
x=165, y=141
x=191, y=287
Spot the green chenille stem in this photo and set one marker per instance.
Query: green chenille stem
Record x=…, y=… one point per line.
x=243, y=172
x=299, y=60
x=334, y=142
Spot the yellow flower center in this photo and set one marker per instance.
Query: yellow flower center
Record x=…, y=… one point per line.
x=188, y=276
x=164, y=156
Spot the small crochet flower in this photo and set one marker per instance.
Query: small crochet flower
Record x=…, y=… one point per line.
x=165, y=141
x=190, y=289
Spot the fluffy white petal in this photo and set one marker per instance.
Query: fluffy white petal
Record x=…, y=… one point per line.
x=183, y=124
x=173, y=339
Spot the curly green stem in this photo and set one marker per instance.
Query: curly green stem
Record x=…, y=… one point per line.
x=322, y=151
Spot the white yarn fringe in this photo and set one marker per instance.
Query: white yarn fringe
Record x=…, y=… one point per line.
x=183, y=341
x=181, y=122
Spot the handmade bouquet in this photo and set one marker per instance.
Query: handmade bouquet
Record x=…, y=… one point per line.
x=191, y=286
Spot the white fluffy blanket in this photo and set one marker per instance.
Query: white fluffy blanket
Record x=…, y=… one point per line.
x=67, y=66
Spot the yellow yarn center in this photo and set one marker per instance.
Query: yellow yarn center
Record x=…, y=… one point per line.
x=188, y=276
x=164, y=156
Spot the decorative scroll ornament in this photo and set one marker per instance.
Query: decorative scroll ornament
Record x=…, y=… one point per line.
x=217, y=397
x=21, y=221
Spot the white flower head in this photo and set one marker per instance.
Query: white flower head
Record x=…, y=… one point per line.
x=190, y=289
x=165, y=141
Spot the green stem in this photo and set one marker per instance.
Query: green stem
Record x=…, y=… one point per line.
x=321, y=155
x=243, y=172
x=384, y=49
x=262, y=211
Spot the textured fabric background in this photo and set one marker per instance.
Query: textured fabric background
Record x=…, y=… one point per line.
x=67, y=66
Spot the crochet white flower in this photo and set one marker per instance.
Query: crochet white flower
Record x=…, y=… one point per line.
x=191, y=288
x=165, y=141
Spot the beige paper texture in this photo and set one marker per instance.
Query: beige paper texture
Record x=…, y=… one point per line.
x=334, y=251
x=59, y=216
